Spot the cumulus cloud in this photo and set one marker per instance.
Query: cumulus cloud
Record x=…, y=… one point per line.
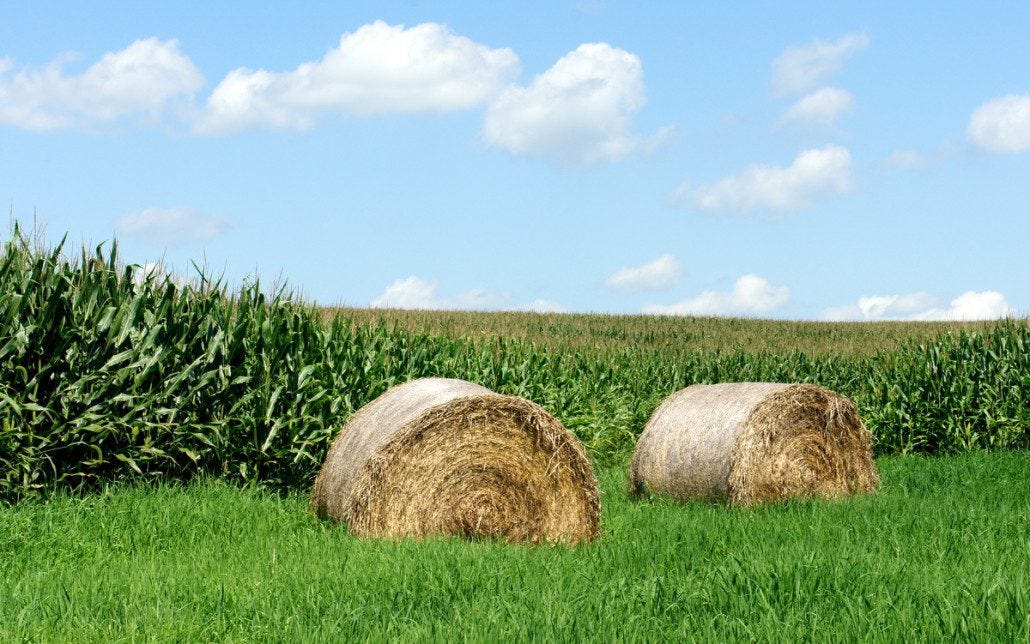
x=814, y=175
x=409, y=293
x=822, y=107
x=171, y=226
x=750, y=294
x=377, y=69
x=149, y=270
x=801, y=67
x=156, y=269
x=416, y=293
x=656, y=275
x=577, y=112
x=141, y=81
x=1002, y=125
x=545, y=306
x=971, y=305
x=879, y=307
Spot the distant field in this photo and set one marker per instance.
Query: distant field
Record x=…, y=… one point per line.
x=669, y=335
x=942, y=552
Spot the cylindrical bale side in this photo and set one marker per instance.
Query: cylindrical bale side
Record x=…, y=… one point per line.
x=443, y=456
x=753, y=442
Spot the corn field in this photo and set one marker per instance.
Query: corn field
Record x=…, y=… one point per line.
x=109, y=372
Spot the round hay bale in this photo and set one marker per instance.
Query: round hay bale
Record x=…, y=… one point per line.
x=752, y=442
x=443, y=456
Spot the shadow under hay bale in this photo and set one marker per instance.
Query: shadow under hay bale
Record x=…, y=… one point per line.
x=443, y=456
x=753, y=442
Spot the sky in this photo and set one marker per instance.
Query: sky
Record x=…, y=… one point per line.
x=837, y=161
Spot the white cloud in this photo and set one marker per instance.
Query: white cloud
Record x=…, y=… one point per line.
x=803, y=66
x=914, y=160
x=751, y=294
x=877, y=306
x=971, y=305
x=822, y=107
x=477, y=299
x=171, y=226
x=377, y=69
x=906, y=159
x=663, y=137
x=1002, y=125
x=840, y=313
x=156, y=271
x=545, y=306
x=577, y=112
x=416, y=293
x=815, y=174
x=152, y=268
x=141, y=81
x=656, y=275
x=410, y=293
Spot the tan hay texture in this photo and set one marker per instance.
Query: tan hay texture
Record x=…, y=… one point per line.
x=449, y=457
x=753, y=442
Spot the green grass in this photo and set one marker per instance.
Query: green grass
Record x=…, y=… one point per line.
x=942, y=552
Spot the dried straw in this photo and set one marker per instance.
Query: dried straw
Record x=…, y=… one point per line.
x=442, y=456
x=753, y=442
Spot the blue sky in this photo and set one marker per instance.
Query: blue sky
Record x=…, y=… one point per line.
x=812, y=160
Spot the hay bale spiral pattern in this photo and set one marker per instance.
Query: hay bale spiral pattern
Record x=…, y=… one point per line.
x=752, y=443
x=444, y=456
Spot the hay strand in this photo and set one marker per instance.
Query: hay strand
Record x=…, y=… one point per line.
x=753, y=442
x=443, y=456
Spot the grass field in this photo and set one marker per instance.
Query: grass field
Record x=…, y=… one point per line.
x=942, y=552
x=158, y=438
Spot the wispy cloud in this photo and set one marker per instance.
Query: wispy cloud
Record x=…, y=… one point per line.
x=913, y=160
x=814, y=175
x=822, y=107
x=171, y=226
x=656, y=275
x=801, y=67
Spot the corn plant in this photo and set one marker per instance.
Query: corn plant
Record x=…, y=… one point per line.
x=109, y=372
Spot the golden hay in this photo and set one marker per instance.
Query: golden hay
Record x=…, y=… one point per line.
x=443, y=456
x=753, y=442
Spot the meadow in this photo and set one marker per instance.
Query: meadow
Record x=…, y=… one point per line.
x=942, y=552
x=159, y=437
